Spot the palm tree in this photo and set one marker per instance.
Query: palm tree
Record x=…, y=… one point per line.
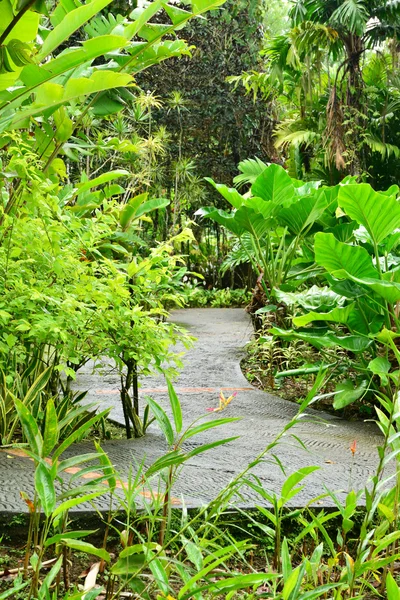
x=357, y=26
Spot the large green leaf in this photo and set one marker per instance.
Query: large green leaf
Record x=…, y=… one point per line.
x=85, y=547
x=133, y=558
x=32, y=75
x=51, y=430
x=392, y=588
x=104, y=178
x=53, y=95
x=107, y=467
x=177, y=15
x=388, y=290
x=378, y=213
x=175, y=405
x=25, y=29
x=223, y=218
x=30, y=428
x=346, y=393
x=225, y=586
x=251, y=221
x=289, y=489
x=65, y=506
x=267, y=209
x=171, y=459
x=79, y=433
x=200, y=6
x=315, y=298
x=380, y=366
x=275, y=185
x=44, y=486
x=343, y=259
x=162, y=419
x=151, y=205
x=353, y=343
x=303, y=213
x=230, y=194
x=70, y=23
x=141, y=16
x=344, y=232
x=337, y=315
x=37, y=386
x=128, y=212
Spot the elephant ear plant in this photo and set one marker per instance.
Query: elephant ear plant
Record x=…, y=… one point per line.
x=364, y=274
x=274, y=224
x=343, y=241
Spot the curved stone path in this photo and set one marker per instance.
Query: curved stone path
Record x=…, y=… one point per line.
x=211, y=365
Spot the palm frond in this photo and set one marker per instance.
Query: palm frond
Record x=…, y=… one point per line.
x=309, y=36
x=239, y=255
x=377, y=69
x=277, y=50
x=352, y=15
x=386, y=150
x=292, y=133
x=387, y=10
x=249, y=169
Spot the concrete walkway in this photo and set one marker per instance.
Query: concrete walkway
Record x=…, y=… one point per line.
x=211, y=365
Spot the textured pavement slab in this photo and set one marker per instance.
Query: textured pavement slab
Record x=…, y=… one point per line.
x=211, y=365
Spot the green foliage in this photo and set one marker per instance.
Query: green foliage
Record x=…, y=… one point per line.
x=329, y=78
x=201, y=297
x=273, y=222
x=345, y=550
x=326, y=263
x=228, y=128
x=76, y=275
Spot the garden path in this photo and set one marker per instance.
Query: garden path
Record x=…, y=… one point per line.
x=211, y=365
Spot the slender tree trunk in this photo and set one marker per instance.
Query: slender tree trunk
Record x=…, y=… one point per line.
x=353, y=104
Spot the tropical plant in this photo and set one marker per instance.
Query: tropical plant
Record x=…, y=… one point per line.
x=75, y=275
x=274, y=225
x=329, y=81
x=362, y=273
x=328, y=554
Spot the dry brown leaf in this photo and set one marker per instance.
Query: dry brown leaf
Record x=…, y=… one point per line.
x=91, y=577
